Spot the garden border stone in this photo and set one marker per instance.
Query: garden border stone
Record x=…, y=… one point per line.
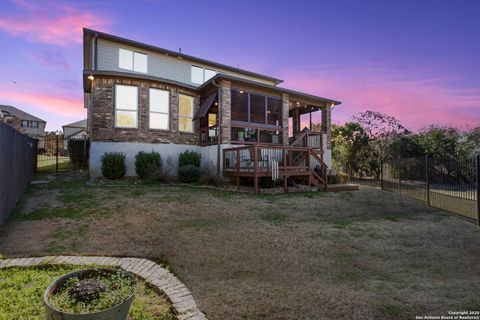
x=152, y=273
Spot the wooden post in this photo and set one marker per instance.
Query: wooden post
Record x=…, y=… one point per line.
x=427, y=180
x=56, y=153
x=478, y=189
x=35, y=161
x=255, y=169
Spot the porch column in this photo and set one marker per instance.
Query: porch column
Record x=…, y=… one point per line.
x=295, y=121
x=226, y=106
x=327, y=124
x=285, y=107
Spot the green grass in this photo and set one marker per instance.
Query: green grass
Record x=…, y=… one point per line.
x=21, y=295
x=274, y=217
x=390, y=310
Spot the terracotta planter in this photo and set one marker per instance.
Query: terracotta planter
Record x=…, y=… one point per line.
x=118, y=312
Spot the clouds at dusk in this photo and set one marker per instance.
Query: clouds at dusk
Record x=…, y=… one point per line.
x=406, y=59
x=49, y=23
x=412, y=97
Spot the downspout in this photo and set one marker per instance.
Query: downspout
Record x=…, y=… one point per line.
x=219, y=148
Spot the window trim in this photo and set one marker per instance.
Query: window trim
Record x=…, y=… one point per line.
x=133, y=60
x=203, y=73
x=115, y=109
x=180, y=116
x=157, y=112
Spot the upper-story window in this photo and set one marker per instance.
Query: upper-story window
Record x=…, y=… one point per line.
x=132, y=60
x=34, y=125
x=24, y=124
x=185, y=113
x=126, y=106
x=200, y=74
x=159, y=107
x=255, y=108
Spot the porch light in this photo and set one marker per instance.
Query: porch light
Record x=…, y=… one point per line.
x=216, y=103
x=241, y=91
x=90, y=77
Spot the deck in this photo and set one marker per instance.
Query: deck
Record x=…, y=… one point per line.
x=277, y=162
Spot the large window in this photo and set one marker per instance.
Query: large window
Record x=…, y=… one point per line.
x=131, y=60
x=185, y=113
x=200, y=75
x=126, y=106
x=255, y=108
x=159, y=106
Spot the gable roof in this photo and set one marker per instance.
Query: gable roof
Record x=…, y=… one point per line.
x=22, y=115
x=78, y=124
x=92, y=33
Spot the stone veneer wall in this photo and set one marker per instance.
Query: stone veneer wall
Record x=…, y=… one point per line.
x=327, y=125
x=102, y=113
x=226, y=105
x=285, y=109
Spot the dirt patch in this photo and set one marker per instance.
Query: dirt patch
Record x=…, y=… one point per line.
x=362, y=255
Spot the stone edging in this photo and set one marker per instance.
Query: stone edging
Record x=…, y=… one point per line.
x=152, y=273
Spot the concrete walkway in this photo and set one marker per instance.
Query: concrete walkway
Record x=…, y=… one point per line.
x=181, y=298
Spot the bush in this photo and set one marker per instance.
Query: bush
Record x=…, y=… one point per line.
x=147, y=164
x=208, y=175
x=113, y=165
x=188, y=173
x=189, y=158
x=78, y=152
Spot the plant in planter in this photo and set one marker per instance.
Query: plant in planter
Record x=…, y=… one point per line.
x=90, y=294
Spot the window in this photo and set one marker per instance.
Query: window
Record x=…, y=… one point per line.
x=34, y=124
x=274, y=111
x=24, y=124
x=255, y=108
x=185, y=113
x=159, y=104
x=126, y=106
x=239, y=101
x=130, y=60
x=200, y=75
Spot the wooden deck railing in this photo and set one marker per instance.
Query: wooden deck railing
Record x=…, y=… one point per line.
x=275, y=161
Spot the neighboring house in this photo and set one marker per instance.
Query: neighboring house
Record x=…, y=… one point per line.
x=22, y=121
x=141, y=97
x=76, y=130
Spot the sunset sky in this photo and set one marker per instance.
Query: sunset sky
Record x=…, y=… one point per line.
x=418, y=60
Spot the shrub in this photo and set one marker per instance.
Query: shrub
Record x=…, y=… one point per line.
x=147, y=164
x=208, y=175
x=189, y=158
x=188, y=173
x=113, y=165
x=78, y=152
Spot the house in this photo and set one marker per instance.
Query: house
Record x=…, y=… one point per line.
x=22, y=121
x=76, y=130
x=142, y=97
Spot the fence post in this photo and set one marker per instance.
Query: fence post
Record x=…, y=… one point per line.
x=56, y=153
x=427, y=180
x=381, y=173
x=399, y=180
x=478, y=189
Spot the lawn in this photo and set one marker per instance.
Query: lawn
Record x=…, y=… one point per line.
x=363, y=255
x=21, y=295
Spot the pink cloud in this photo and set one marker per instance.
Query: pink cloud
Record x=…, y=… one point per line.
x=66, y=106
x=415, y=99
x=49, y=24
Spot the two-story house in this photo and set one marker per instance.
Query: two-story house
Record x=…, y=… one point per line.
x=142, y=97
x=23, y=121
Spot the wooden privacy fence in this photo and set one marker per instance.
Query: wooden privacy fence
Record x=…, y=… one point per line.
x=17, y=164
x=449, y=184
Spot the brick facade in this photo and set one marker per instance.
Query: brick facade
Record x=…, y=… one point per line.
x=327, y=124
x=226, y=104
x=285, y=108
x=102, y=126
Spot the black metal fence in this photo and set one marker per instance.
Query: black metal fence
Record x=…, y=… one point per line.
x=58, y=153
x=17, y=165
x=449, y=184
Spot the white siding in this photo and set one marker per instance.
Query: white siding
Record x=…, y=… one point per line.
x=159, y=65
